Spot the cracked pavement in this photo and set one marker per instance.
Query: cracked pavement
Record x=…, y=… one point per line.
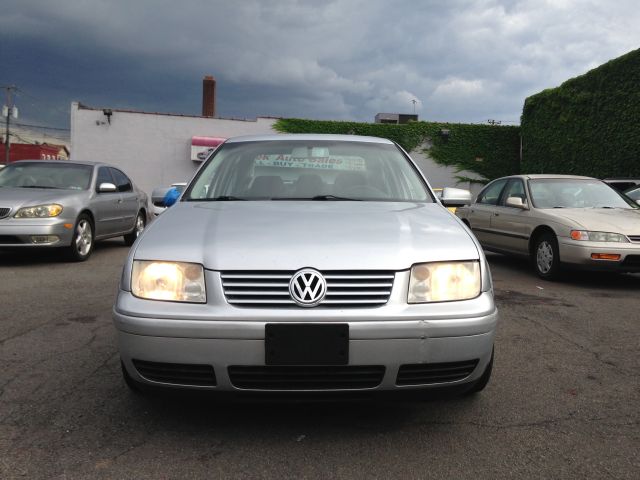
x=562, y=403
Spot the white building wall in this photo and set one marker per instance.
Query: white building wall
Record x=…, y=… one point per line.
x=440, y=176
x=153, y=149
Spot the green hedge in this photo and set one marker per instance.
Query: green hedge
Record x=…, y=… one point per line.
x=491, y=151
x=588, y=125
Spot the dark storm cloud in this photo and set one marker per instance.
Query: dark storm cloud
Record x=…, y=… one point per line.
x=343, y=59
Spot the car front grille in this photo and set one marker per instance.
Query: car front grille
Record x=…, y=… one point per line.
x=306, y=377
x=345, y=289
x=176, y=373
x=4, y=211
x=429, y=373
x=634, y=238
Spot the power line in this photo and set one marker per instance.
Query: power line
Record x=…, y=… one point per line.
x=42, y=127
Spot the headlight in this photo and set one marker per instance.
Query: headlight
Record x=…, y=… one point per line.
x=443, y=282
x=586, y=236
x=172, y=281
x=40, y=211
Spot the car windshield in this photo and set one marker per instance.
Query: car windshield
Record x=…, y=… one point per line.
x=308, y=170
x=56, y=175
x=575, y=193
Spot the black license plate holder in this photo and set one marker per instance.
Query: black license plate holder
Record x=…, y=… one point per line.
x=306, y=344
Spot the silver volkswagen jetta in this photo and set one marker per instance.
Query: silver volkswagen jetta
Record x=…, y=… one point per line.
x=59, y=203
x=307, y=263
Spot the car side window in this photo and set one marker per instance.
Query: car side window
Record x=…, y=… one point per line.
x=491, y=194
x=122, y=181
x=515, y=188
x=103, y=177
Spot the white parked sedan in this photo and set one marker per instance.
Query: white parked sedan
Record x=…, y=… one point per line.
x=557, y=220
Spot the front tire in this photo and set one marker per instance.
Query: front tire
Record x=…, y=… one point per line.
x=83, y=239
x=139, y=227
x=546, y=256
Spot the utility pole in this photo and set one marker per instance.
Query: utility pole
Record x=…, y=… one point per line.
x=8, y=110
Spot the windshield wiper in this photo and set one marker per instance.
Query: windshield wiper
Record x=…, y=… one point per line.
x=334, y=197
x=220, y=198
x=317, y=198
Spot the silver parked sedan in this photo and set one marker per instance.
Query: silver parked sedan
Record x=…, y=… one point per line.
x=68, y=204
x=306, y=263
x=557, y=220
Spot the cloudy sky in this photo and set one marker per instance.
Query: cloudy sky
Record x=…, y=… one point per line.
x=462, y=60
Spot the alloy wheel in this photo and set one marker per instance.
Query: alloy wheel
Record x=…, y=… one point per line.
x=544, y=256
x=84, y=237
x=139, y=225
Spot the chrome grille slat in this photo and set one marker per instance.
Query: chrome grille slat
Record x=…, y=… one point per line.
x=356, y=289
x=358, y=277
x=367, y=292
x=634, y=238
x=254, y=292
x=267, y=276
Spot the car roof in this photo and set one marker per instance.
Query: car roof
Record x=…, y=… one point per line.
x=622, y=179
x=63, y=162
x=308, y=136
x=68, y=162
x=550, y=176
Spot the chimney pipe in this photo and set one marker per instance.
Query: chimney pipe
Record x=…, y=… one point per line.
x=208, y=96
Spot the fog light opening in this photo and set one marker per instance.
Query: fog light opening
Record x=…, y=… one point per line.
x=42, y=239
x=614, y=257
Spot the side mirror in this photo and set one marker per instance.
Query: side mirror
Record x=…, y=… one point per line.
x=455, y=197
x=157, y=196
x=638, y=201
x=107, y=188
x=516, y=202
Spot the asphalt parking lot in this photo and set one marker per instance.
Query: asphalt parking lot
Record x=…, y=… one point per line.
x=562, y=403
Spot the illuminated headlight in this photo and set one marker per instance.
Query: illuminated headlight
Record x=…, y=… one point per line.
x=444, y=282
x=586, y=236
x=171, y=281
x=40, y=211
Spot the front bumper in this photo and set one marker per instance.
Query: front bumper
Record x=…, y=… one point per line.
x=386, y=336
x=578, y=254
x=21, y=232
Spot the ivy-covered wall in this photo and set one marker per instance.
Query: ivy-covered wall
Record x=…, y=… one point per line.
x=490, y=151
x=589, y=125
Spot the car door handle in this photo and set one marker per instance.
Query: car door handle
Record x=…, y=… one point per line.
x=496, y=214
x=119, y=200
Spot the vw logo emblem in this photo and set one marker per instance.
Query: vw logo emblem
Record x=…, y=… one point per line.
x=307, y=287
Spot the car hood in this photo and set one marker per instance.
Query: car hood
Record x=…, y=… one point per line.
x=26, y=197
x=616, y=220
x=287, y=235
